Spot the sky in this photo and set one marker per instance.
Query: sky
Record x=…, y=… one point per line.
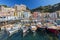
x=31, y=4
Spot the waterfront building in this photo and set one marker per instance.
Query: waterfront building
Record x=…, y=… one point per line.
x=58, y=13
x=53, y=15
x=7, y=11
x=27, y=14
x=21, y=11
x=20, y=7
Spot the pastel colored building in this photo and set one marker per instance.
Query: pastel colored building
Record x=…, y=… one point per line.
x=20, y=7
x=7, y=11
x=21, y=11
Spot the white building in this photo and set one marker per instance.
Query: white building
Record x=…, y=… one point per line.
x=27, y=14
x=19, y=11
x=53, y=15
x=58, y=13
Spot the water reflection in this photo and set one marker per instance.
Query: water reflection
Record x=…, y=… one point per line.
x=37, y=35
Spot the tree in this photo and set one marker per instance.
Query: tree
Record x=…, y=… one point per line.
x=27, y=8
x=4, y=5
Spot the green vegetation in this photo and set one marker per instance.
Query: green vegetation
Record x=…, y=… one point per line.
x=49, y=8
x=4, y=5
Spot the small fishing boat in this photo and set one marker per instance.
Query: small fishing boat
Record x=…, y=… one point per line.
x=25, y=31
x=33, y=28
x=11, y=29
x=51, y=27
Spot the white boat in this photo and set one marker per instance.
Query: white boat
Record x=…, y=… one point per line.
x=12, y=31
x=25, y=30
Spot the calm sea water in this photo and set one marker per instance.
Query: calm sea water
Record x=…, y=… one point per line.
x=30, y=36
x=41, y=35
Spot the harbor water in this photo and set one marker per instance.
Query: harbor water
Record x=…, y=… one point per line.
x=39, y=35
